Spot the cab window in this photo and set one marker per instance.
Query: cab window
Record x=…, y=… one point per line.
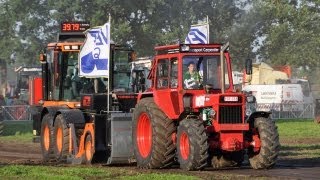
x=163, y=74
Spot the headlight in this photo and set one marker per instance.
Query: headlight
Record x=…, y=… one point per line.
x=208, y=113
x=212, y=113
x=75, y=47
x=248, y=112
x=184, y=48
x=67, y=47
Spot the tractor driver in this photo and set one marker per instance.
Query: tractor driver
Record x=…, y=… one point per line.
x=191, y=77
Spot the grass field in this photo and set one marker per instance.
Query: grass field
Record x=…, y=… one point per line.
x=298, y=138
x=298, y=129
x=20, y=131
x=80, y=172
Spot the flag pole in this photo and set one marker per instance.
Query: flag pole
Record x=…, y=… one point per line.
x=108, y=90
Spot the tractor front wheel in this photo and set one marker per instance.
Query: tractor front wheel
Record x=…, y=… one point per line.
x=152, y=136
x=46, y=138
x=88, y=149
x=265, y=131
x=61, y=139
x=192, y=145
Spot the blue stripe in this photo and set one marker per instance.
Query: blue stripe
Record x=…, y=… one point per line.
x=188, y=40
x=196, y=38
x=199, y=32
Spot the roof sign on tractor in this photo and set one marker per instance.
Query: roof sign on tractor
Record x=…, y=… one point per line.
x=95, y=53
x=74, y=26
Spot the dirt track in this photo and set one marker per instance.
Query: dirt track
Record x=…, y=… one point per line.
x=20, y=153
x=286, y=168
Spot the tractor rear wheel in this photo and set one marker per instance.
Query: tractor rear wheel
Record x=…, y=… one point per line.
x=46, y=138
x=152, y=136
x=88, y=149
x=61, y=139
x=192, y=145
x=265, y=131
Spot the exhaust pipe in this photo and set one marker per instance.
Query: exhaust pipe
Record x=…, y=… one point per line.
x=223, y=80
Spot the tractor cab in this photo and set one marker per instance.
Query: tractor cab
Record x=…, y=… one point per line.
x=191, y=75
x=28, y=89
x=61, y=82
x=121, y=68
x=118, y=91
x=61, y=85
x=140, y=68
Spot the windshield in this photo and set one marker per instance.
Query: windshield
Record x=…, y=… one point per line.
x=72, y=84
x=122, y=70
x=203, y=70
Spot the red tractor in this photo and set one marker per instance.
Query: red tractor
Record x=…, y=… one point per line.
x=192, y=112
x=29, y=85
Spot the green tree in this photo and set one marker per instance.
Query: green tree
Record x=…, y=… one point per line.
x=290, y=32
x=8, y=38
x=30, y=25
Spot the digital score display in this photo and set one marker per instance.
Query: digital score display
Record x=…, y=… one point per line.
x=74, y=26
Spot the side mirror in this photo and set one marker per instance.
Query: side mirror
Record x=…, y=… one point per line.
x=42, y=57
x=132, y=56
x=249, y=66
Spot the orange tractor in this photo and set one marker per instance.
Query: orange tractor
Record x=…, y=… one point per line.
x=59, y=59
x=78, y=120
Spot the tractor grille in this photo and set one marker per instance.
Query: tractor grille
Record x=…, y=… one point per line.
x=230, y=114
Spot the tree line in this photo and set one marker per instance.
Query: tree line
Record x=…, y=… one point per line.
x=280, y=32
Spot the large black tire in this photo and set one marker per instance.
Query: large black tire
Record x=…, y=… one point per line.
x=89, y=149
x=61, y=139
x=267, y=156
x=152, y=136
x=46, y=138
x=192, y=145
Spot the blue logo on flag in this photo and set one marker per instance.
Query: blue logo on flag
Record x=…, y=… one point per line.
x=91, y=60
x=94, y=55
x=197, y=35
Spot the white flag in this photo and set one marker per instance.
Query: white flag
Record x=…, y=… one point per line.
x=198, y=34
x=94, y=55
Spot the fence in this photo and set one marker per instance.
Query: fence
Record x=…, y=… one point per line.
x=16, y=113
x=288, y=111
